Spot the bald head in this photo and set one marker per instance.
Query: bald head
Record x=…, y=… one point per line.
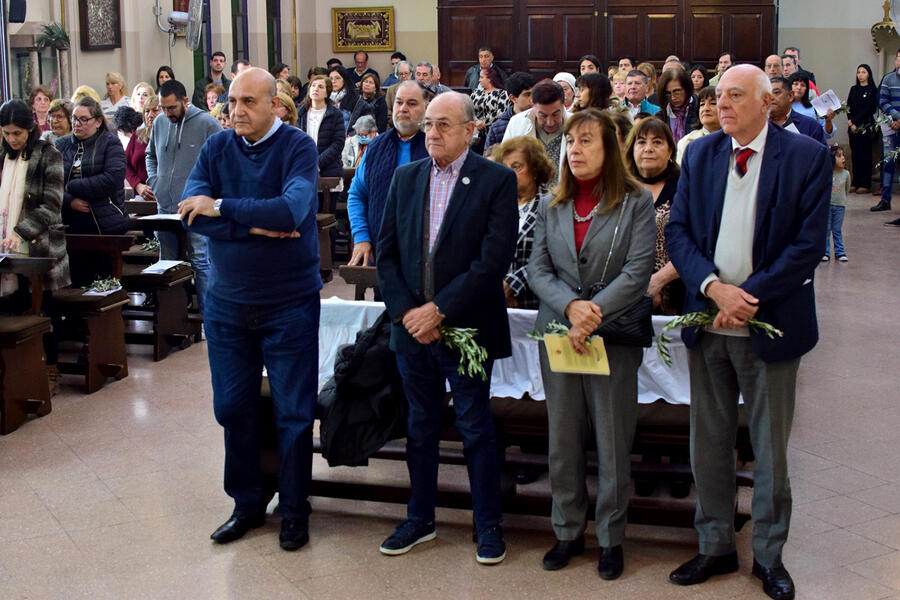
x=773, y=66
x=744, y=94
x=252, y=100
x=449, y=124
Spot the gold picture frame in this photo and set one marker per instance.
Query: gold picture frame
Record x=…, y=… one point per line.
x=370, y=29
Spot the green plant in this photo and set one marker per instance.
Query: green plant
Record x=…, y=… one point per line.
x=472, y=354
x=702, y=319
x=53, y=35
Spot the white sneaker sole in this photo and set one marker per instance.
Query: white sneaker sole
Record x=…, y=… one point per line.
x=405, y=549
x=490, y=561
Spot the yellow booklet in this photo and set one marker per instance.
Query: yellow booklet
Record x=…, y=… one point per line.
x=564, y=359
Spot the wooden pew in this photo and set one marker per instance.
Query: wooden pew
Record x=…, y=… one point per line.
x=23, y=374
x=325, y=221
x=165, y=324
x=359, y=276
x=95, y=321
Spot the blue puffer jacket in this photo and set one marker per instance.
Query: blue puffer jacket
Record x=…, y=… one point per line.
x=101, y=184
x=498, y=128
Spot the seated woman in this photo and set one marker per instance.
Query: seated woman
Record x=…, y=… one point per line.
x=534, y=172
x=679, y=106
x=649, y=157
x=31, y=193
x=370, y=91
x=709, y=120
x=136, y=153
x=324, y=123
x=286, y=109
x=356, y=145
x=591, y=262
x=567, y=82
x=60, y=120
x=212, y=92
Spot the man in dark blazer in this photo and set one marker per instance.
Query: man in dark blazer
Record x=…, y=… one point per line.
x=746, y=231
x=446, y=241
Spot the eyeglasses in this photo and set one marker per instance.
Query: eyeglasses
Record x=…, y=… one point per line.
x=676, y=92
x=442, y=126
x=82, y=120
x=57, y=117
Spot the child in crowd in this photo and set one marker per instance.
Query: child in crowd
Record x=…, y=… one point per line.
x=840, y=187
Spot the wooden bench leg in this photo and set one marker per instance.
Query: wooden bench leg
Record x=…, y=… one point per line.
x=106, y=356
x=172, y=328
x=23, y=384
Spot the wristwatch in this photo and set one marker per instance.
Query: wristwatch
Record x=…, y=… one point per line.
x=217, y=207
x=438, y=312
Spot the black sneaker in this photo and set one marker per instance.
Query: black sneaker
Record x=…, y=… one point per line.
x=408, y=534
x=491, y=547
x=880, y=207
x=894, y=223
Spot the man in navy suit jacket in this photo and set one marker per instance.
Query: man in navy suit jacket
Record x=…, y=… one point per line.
x=746, y=233
x=446, y=240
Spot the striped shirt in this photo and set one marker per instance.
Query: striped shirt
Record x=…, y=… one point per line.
x=889, y=95
x=441, y=189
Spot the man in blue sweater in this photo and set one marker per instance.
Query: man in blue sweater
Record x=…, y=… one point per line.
x=889, y=103
x=252, y=192
x=399, y=146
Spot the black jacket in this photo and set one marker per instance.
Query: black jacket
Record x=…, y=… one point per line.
x=330, y=142
x=101, y=184
x=862, y=103
x=363, y=406
x=377, y=108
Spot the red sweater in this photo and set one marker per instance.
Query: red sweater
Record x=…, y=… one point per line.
x=584, y=203
x=135, y=162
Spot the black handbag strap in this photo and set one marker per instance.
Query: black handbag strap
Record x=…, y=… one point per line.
x=612, y=244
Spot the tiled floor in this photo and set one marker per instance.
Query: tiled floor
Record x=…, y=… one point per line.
x=114, y=495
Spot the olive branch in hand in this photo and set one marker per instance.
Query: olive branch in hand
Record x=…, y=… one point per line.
x=472, y=354
x=702, y=319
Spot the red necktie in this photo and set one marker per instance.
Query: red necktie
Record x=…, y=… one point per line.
x=740, y=161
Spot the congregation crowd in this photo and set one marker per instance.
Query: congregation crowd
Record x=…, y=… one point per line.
x=596, y=198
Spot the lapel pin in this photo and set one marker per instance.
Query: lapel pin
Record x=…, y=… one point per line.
x=466, y=180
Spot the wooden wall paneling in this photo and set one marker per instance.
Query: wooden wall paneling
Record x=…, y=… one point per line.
x=623, y=37
x=556, y=36
x=707, y=35
x=747, y=37
x=463, y=29
x=662, y=36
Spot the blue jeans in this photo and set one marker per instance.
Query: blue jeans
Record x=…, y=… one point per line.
x=835, y=223
x=889, y=144
x=242, y=338
x=424, y=376
x=198, y=254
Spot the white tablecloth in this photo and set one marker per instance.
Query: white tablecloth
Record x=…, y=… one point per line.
x=517, y=375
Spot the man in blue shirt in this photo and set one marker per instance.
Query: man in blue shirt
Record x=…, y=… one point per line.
x=399, y=146
x=252, y=192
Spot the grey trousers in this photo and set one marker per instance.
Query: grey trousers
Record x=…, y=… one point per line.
x=721, y=368
x=605, y=407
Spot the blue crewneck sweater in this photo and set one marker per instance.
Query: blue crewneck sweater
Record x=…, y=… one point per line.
x=271, y=185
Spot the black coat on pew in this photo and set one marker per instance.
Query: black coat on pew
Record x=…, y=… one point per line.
x=363, y=406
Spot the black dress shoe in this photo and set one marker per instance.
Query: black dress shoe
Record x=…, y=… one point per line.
x=894, y=223
x=777, y=582
x=612, y=562
x=702, y=567
x=294, y=534
x=881, y=206
x=235, y=528
x=559, y=555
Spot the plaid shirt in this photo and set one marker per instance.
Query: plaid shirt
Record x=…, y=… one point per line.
x=516, y=278
x=440, y=191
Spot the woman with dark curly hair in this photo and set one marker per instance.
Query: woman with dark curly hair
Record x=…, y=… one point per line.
x=678, y=103
x=491, y=101
x=534, y=172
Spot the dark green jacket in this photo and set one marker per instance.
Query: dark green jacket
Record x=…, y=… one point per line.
x=41, y=224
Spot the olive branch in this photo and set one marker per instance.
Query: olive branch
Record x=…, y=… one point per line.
x=702, y=319
x=471, y=354
x=104, y=285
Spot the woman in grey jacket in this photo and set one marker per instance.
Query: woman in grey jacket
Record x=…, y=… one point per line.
x=592, y=258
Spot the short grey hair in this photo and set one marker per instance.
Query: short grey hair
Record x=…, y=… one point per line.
x=365, y=123
x=401, y=63
x=426, y=64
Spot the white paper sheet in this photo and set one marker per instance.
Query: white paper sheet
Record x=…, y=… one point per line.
x=828, y=100
x=161, y=266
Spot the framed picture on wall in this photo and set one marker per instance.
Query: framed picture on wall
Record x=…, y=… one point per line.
x=370, y=29
x=101, y=24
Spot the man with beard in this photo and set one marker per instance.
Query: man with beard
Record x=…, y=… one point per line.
x=174, y=146
x=368, y=192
